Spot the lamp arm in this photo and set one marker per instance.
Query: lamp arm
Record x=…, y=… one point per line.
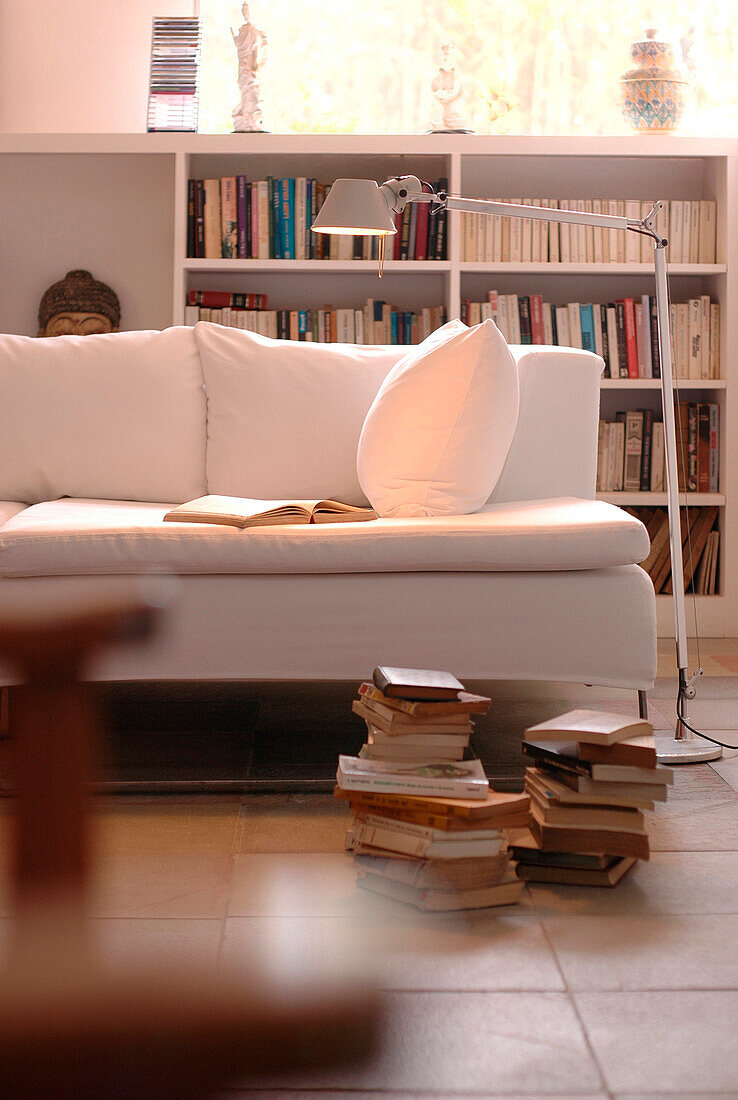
x=401, y=190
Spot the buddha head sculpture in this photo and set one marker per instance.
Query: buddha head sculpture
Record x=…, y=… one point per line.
x=78, y=305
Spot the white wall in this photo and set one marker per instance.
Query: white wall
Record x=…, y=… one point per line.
x=112, y=215
x=72, y=66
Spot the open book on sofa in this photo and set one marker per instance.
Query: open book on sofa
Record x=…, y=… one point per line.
x=244, y=512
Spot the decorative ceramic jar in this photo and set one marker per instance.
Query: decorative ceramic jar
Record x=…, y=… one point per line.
x=653, y=95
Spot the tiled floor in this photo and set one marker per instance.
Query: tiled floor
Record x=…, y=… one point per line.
x=575, y=992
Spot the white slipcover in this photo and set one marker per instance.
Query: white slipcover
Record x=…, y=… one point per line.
x=97, y=536
x=593, y=626
x=120, y=416
x=284, y=417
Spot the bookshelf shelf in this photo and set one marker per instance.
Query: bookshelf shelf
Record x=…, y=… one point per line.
x=634, y=500
x=707, y=608
x=122, y=210
x=549, y=268
x=344, y=266
x=655, y=384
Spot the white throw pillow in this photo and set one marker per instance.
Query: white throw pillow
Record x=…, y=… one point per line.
x=284, y=416
x=437, y=434
x=119, y=416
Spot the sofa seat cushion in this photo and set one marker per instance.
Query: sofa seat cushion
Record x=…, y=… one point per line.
x=84, y=536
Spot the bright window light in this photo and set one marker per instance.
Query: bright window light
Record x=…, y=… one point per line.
x=365, y=66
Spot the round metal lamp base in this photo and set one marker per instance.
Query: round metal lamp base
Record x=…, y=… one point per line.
x=695, y=750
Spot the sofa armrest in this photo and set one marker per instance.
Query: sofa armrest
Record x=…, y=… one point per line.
x=554, y=450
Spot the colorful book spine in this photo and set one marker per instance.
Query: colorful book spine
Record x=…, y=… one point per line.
x=199, y=218
x=219, y=299
x=586, y=315
x=242, y=217
x=212, y=220
x=631, y=347
x=228, y=218
x=191, y=218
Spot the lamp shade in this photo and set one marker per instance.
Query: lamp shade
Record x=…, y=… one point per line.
x=355, y=207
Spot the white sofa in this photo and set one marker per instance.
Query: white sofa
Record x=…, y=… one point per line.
x=102, y=434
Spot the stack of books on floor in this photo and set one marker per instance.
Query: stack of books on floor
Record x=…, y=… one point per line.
x=426, y=828
x=593, y=777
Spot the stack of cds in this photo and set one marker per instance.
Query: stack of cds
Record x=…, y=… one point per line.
x=174, y=83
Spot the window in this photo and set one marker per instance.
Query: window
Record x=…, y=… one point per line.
x=365, y=66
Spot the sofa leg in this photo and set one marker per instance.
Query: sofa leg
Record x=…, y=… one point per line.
x=643, y=704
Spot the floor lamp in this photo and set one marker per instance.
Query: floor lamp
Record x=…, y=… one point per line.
x=364, y=208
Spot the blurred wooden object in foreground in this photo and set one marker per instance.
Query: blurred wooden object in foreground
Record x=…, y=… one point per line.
x=71, y=1027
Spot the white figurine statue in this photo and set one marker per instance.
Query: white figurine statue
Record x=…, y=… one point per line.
x=448, y=89
x=250, y=45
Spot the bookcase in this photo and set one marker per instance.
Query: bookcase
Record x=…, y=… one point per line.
x=118, y=205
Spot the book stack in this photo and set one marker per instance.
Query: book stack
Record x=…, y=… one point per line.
x=623, y=332
x=593, y=775
x=426, y=827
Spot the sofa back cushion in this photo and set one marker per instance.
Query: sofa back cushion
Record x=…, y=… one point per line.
x=284, y=417
x=554, y=450
x=119, y=416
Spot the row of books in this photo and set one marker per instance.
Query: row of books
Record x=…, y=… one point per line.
x=631, y=450
x=623, y=332
x=700, y=547
x=232, y=217
x=688, y=225
x=376, y=322
x=593, y=778
x=426, y=828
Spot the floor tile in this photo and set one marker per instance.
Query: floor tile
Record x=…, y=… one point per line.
x=164, y=827
x=281, y=951
x=717, y=645
x=487, y=1043
x=725, y=664
x=708, y=687
x=670, y=882
x=494, y=950
x=298, y=823
x=123, y=942
x=194, y=885
x=295, y=885
x=697, y=783
x=691, y=826
x=727, y=769
x=710, y=714
x=646, y=953
x=664, y=1042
